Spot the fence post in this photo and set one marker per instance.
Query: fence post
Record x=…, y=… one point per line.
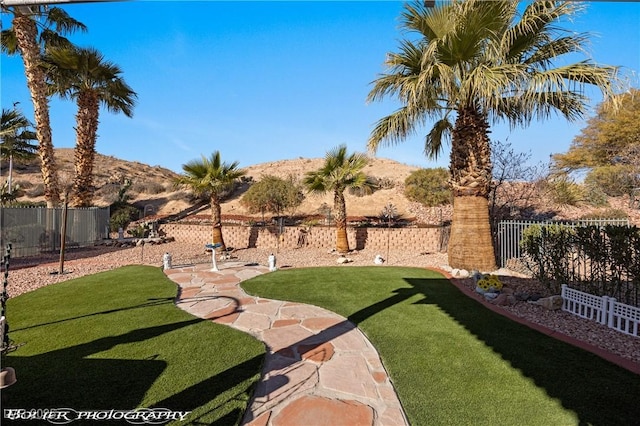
x=610, y=305
x=604, y=312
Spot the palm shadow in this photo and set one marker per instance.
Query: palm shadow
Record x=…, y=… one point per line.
x=578, y=378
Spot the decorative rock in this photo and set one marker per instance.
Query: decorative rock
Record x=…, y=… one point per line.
x=553, y=303
x=378, y=260
x=343, y=259
x=504, y=300
x=460, y=273
x=490, y=296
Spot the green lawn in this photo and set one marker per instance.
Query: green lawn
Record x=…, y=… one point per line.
x=115, y=340
x=453, y=361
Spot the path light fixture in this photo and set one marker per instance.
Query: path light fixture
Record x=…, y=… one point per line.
x=166, y=261
x=272, y=262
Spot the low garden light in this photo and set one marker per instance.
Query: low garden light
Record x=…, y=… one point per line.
x=272, y=262
x=166, y=261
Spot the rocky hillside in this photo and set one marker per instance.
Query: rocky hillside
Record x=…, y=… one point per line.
x=152, y=190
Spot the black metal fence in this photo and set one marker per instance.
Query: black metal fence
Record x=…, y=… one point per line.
x=35, y=230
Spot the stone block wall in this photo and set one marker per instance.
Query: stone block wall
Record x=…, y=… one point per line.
x=416, y=240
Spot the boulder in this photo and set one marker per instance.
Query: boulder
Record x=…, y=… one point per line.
x=553, y=303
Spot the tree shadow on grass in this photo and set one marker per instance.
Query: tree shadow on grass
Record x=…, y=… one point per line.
x=70, y=378
x=584, y=383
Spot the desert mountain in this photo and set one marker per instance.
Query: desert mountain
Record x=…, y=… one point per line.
x=152, y=187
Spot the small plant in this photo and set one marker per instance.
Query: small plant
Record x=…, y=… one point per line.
x=122, y=215
x=140, y=231
x=564, y=191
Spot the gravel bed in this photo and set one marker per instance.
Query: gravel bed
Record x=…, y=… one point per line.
x=27, y=274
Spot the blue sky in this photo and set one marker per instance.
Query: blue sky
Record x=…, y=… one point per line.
x=264, y=81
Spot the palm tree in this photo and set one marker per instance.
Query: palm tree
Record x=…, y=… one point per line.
x=340, y=172
x=474, y=62
x=211, y=178
x=82, y=74
x=16, y=139
x=49, y=24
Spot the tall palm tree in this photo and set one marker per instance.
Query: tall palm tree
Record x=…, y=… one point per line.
x=34, y=29
x=82, y=74
x=473, y=62
x=339, y=173
x=16, y=140
x=210, y=177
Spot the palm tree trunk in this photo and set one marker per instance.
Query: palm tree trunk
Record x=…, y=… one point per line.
x=216, y=219
x=26, y=35
x=342, y=241
x=471, y=243
x=84, y=155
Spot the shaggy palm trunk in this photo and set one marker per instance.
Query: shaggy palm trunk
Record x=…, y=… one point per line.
x=26, y=35
x=84, y=154
x=216, y=219
x=342, y=242
x=471, y=243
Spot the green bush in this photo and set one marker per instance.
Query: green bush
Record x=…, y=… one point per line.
x=547, y=250
x=601, y=260
x=428, y=187
x=122, y=215
x=565, y=192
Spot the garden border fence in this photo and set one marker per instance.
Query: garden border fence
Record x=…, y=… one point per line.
x=35, y=230
x=602, y=309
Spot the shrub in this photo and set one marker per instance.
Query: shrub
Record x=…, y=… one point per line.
x=36, y=191
x=122, y=215
x=606, y=214
x=547, y=250
x=564, y=191
x=428, y=187
x=149, y=187
x=614, y=181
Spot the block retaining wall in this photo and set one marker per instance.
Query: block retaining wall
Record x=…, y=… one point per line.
x=416, y=240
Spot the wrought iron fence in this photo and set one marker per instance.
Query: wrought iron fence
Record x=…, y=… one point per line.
x=509, y=234
x=35, y=230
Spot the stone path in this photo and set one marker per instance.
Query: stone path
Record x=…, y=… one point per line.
x=319, y=368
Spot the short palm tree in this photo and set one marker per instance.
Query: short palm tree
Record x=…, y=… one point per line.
x=473, y=62
x=82, y=74
x=16, y=140
x=210, y=177
x=34, y=29
x=339, y=173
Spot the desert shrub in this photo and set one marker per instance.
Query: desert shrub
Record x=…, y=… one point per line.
x=383, y=182
x=606, y=214
x=149, y=187
x=122, y=215
x=36, y=191
x=24, y=184
x=273, y=194
x=595, y=196
x=563, y=191
x=428, y=187
x=614, y=181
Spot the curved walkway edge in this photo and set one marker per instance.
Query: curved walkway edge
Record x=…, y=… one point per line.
x=319, y=369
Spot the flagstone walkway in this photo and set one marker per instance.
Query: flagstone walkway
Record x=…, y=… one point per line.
x=319, y=368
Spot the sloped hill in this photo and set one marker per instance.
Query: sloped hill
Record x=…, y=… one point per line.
x=152, y=187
